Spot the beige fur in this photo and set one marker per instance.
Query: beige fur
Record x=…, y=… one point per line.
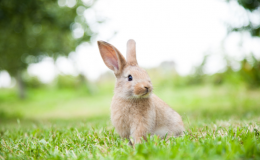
x=135, y=110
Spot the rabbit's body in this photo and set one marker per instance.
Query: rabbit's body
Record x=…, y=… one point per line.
x=137, y=118
x=135, y=110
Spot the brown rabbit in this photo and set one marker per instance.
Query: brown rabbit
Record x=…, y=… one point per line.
x=135, y=110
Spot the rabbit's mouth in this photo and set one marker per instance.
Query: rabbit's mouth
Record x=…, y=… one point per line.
x=146, y=94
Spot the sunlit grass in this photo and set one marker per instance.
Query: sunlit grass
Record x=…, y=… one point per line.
x=221, y=123
x=96, y=139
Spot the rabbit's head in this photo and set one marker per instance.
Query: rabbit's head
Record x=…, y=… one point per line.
x=132, y=82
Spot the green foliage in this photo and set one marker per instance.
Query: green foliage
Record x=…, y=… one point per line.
x=249, y=4
x=33, y=82
x=250, y=26
x=70, y=82
x=198, y=76
x=248, y=74
x=250, y=71
x=79, y=83
x=32, y=29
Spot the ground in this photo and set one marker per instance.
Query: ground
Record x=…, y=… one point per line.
x=221, y=123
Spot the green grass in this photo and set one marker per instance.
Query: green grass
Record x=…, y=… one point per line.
x=221, y=123
x=96, y=139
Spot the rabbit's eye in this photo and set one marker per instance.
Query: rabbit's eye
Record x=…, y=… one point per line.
x=130, y=78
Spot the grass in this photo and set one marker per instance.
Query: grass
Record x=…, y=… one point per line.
x=221, y=123
x=92, y=140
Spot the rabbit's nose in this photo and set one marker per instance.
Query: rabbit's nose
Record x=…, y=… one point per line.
x=147, y=89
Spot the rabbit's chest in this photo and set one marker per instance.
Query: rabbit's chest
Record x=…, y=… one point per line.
x=126, y=118
x=121, y=119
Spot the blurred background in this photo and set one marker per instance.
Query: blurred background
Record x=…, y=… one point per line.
x=203, y=56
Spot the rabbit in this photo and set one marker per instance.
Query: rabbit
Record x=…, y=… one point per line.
x=135, y=110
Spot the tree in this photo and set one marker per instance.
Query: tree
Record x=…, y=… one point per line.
x=32, y=29
x=250, y=70
x=251, y=6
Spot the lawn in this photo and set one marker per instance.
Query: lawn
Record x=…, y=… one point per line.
x=221, y=123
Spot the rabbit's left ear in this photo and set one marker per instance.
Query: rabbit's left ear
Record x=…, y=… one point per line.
x=113, y=59
x=131, y=52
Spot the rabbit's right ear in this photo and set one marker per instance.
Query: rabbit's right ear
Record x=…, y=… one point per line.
x=113, y=59
x=131, y=52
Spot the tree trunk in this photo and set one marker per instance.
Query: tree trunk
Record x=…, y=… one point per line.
x=20, y=84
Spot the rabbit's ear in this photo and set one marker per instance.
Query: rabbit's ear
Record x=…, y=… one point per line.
x=131, y=52
x=113, y=59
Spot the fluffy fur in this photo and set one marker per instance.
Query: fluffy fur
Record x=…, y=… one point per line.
x=135, y=110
